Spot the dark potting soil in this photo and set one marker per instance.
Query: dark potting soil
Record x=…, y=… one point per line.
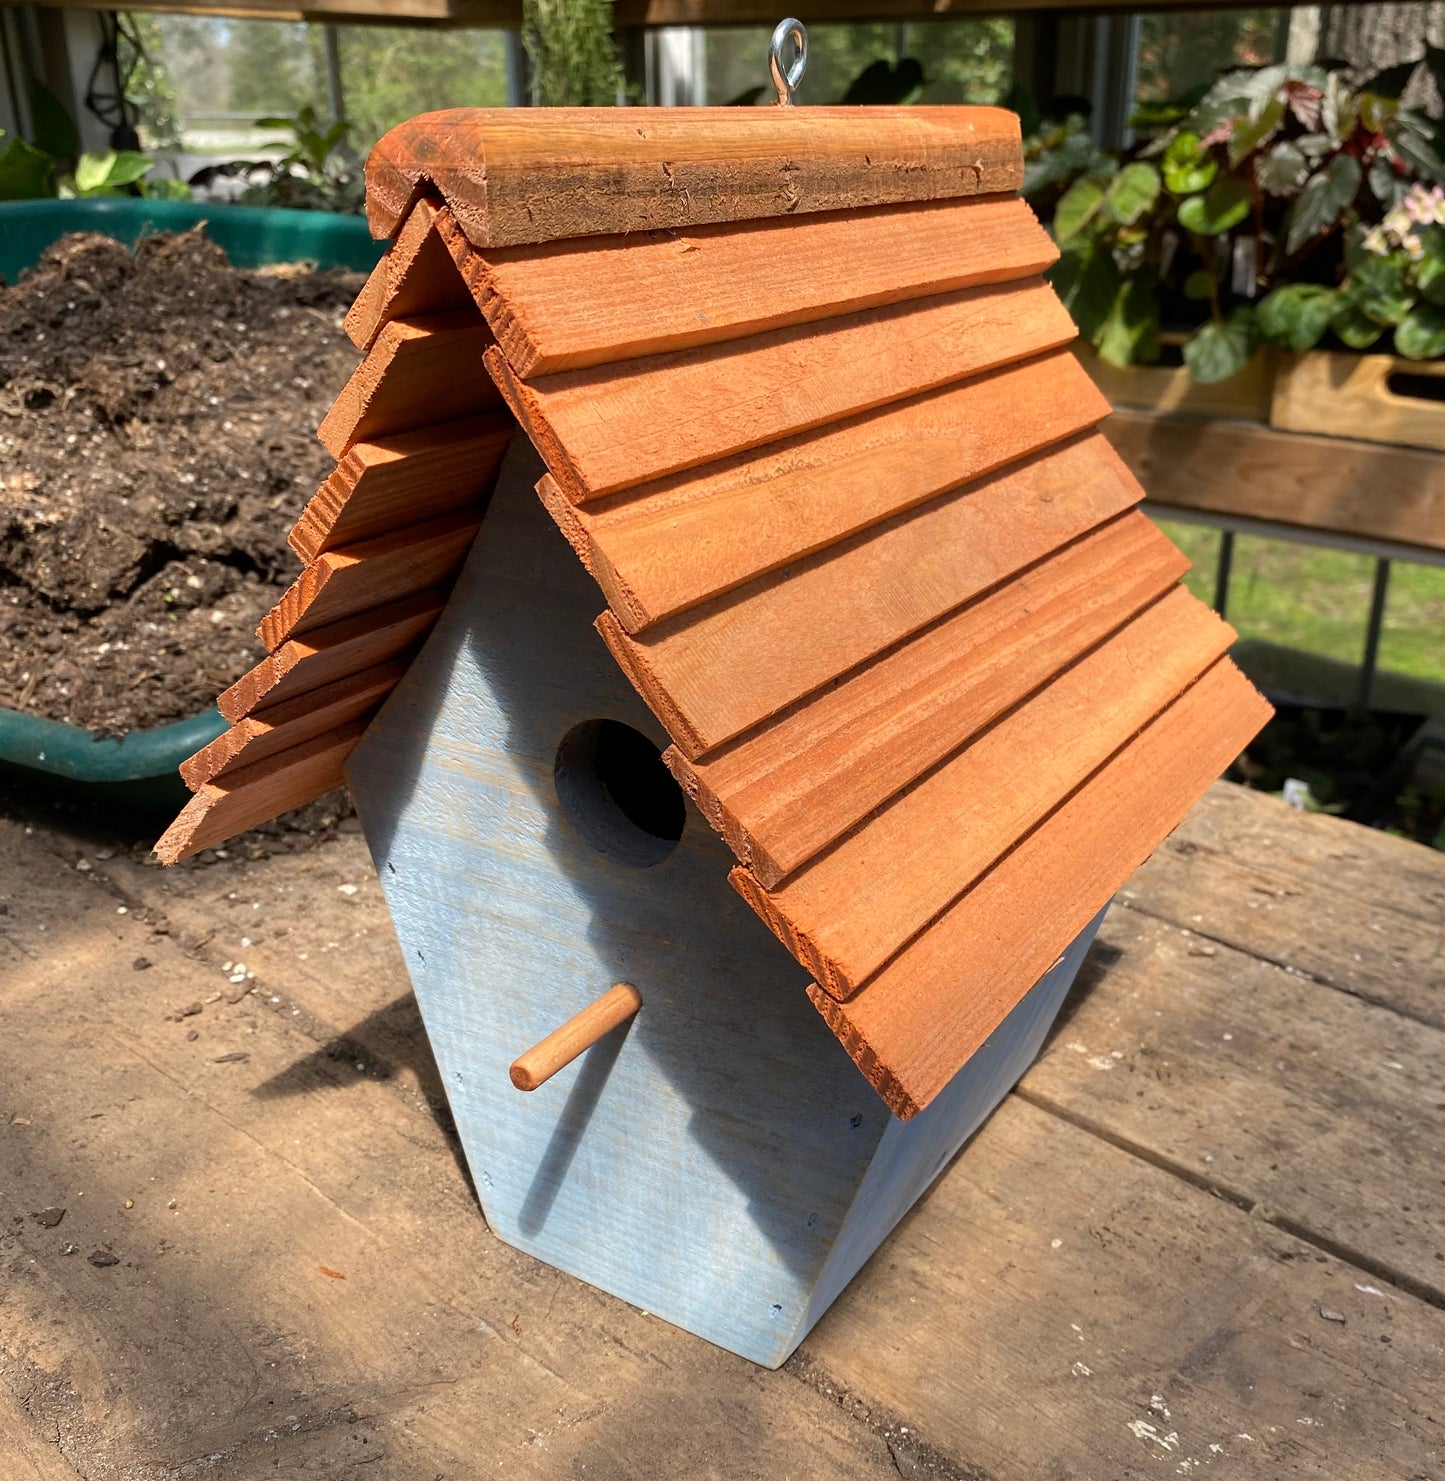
x=157, y=441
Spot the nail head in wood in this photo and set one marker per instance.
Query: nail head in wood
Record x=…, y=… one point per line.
x=580, y=1032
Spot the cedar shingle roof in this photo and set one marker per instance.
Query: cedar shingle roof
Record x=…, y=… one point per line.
x=813, y=427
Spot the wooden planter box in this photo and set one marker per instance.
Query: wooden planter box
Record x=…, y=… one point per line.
x=1171, y=388
x=1372, y=398
x=1368, y=398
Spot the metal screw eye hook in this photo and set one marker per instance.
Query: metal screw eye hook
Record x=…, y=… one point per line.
x=787, y=79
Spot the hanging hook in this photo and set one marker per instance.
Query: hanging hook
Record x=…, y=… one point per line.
x=786, y=80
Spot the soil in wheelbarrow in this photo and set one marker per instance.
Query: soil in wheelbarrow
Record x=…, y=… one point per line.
x=157, y=441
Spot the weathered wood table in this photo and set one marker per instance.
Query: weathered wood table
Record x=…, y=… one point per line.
x=1205, y=1237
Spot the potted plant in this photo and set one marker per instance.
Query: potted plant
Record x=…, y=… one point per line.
x=1279, y=209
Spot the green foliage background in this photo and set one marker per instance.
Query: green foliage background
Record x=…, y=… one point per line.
x=571, y=54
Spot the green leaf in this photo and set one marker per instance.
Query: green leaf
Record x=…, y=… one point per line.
x=166, y=188
x=1132, y=193
x=1296, y=316
x=1282, y=170
x=1077, y=207
x=1130, y=331
x=1430, y=271
x=1315, y=147
x=1223, y=206
x=129, y=167
x=1376, y=112
x=1323, y=201
x=24, y=172
x=1250, y=135
x=1339, y=110
x=1378, y=287
x=1353, y=327
x=1149, y=116
x=52, y=129
x=1199, y=285
x=1387, y=185
x=1421, y=335
x=1087, y=281
x=1216, y=351
x=1416, y=149
x=1188, y=167
x=92, y=170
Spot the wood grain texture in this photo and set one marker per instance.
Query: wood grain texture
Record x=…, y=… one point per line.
x=332, y=652
x=671, y=546
x=419, y=371
x=969, y=1304
x=1147, y=1320
x=284, y=1161
x=848, y=912
x=1323, y=483
x=370, y=574
x=1342, y=394
x=512, y=177
x=289, y=724
x=572, y=305
x=707, y=1163
x=380, y=486
x=257, y=793
x=605, y=430
x=1172, y=388
x=1272, y=881
x=783, y=636
x=782, y=794
x=416, y=276
x=941, y=997
x=1214, y=1017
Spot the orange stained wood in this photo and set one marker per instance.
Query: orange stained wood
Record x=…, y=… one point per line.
x=420, y=371
x=303, y=665
x=607, y=429
x=416, y=276
x=672, y=546
x=578, y=304
x=937, y=1001
x=782, y=794
x=370, y=574
x=570, y=172
x=254, y=794
x=379, y=486
x=848, y=911
x=286, y=725
x=539, y=1063
x=738, y=661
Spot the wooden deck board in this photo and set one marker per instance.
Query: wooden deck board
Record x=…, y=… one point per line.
x=1368, y=490
x=1057, y=1307
x=1264, y=1086
x=970, y=1328
x=1354, y=908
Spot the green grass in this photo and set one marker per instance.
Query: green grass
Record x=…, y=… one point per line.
x=1318, y=600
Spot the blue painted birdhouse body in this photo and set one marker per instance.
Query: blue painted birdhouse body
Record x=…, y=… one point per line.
x=718, y=1161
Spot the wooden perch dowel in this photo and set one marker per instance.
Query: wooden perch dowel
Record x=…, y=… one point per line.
x=580, y=1032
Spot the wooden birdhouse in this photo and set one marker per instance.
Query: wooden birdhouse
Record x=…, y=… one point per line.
x=892, y=688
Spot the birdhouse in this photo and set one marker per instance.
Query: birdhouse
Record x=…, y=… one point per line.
x=771, y=878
